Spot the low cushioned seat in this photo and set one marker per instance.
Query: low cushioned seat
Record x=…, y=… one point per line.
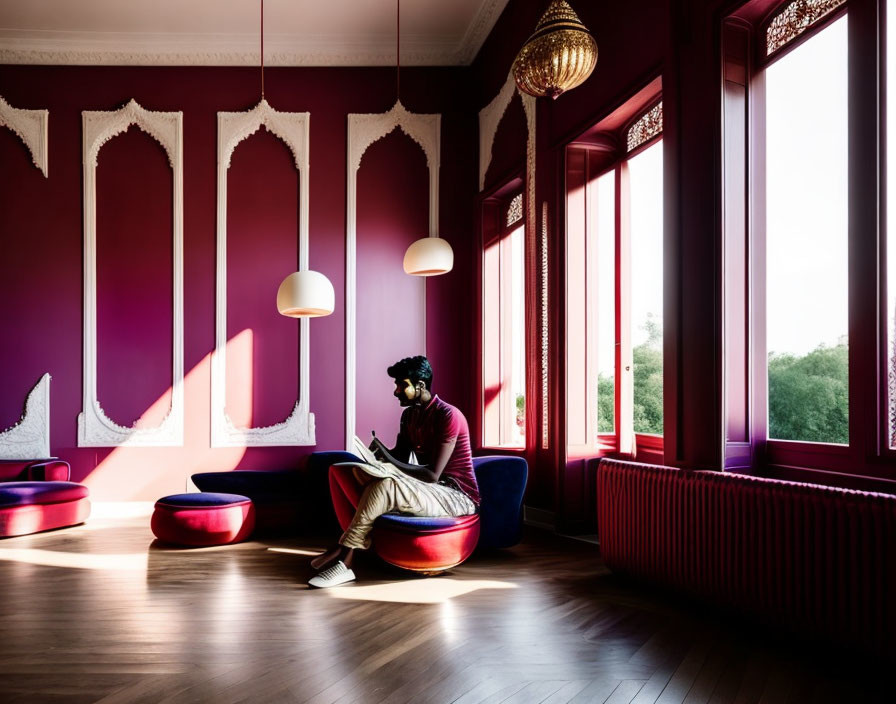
x=425, y=544
x=21, y=493
x=502, y=483
x=203, y=519
x=287, y=501
x=35, y=495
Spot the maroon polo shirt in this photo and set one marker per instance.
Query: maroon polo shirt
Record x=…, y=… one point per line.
x=425, y=428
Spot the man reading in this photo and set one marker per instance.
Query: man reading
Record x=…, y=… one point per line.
x=436, y=475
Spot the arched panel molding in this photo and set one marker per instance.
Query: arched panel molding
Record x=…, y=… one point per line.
x=30, y=436
x=298, y=428
x=489, y=118
x=31, y=126
x=364, y=130
x=95, y=428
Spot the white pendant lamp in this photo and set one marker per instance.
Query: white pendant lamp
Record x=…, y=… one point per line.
x=429, y=256
x=305, y=294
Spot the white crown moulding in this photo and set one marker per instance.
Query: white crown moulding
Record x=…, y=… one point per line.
x=293, y=129
x=95, y=428
x=31, y=126
x=30, y=437
x=207, y=49
x=364, y=130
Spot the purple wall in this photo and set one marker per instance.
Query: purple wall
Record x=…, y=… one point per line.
x=393, y=206
x=41, y=255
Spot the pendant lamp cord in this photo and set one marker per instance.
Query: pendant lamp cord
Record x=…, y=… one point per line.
x=262, y=49
x=397, y=49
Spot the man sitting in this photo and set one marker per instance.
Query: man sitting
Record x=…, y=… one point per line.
x=436, y=478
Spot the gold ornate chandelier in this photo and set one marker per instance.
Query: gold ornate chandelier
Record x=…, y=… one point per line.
x=560, y=54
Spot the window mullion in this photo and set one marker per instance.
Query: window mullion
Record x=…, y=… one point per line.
x=624, y=364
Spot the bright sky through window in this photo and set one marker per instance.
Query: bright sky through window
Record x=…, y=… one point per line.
x=806, y=194
x=518, y=311
x=606, y=274
x=646, y=188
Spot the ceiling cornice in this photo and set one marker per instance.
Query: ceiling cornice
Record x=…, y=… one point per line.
x=153, y=49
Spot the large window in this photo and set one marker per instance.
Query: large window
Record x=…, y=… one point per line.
x=808, y=317
x=503, y=331
x=614, y=284
x=806, y=235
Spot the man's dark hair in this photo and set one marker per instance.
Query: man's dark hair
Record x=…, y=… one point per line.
x=413, y=368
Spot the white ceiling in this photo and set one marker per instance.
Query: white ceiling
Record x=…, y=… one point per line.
x=226, y=32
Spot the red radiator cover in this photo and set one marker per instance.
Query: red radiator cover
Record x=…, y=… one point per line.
x=815, y=558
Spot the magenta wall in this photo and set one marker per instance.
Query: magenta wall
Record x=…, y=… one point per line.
x=393, y=197
x=41, y=255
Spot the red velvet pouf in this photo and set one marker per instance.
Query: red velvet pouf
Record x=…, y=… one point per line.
x=203, y=519
x=32, y=507
x=427, y=545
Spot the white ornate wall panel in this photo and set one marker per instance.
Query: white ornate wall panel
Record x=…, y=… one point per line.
x=95, y=428
x=364, y=130
x=30, y=437
x=31, y=126
x=489, y=118
x=233, y=128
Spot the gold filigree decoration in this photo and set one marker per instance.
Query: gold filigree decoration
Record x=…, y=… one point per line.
x=648, y=126
x=515, y=210
x=795, y=19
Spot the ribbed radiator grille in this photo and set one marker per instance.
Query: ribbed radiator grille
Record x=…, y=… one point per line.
x=816, y=558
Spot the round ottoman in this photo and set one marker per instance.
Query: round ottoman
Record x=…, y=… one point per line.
x=202, y=519
x=428, y=545
x=31, y=507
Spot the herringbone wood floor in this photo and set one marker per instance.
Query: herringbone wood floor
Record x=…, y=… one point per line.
x=95, y=614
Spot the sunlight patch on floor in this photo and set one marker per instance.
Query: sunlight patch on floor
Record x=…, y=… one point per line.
x=76, y=560
x=120, y=509
x=435, y=590
x=296, y=551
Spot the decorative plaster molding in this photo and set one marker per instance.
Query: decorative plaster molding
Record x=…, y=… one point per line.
x=490, y=117
x=364, y=130
x=94, y=48
x=31, y=126
x=298, y=428
x=479, y=29
x=30, y=437
x=36, y=54
x=95, y=428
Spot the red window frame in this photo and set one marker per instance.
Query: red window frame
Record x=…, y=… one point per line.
x=598, y=151
x=867, y=459
x=494, y=228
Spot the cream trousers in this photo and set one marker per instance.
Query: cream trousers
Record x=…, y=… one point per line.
x=402, y=494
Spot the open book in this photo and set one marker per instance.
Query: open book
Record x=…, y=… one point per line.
x=373, y=466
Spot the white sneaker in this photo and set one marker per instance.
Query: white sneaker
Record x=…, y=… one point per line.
x=333, y=576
